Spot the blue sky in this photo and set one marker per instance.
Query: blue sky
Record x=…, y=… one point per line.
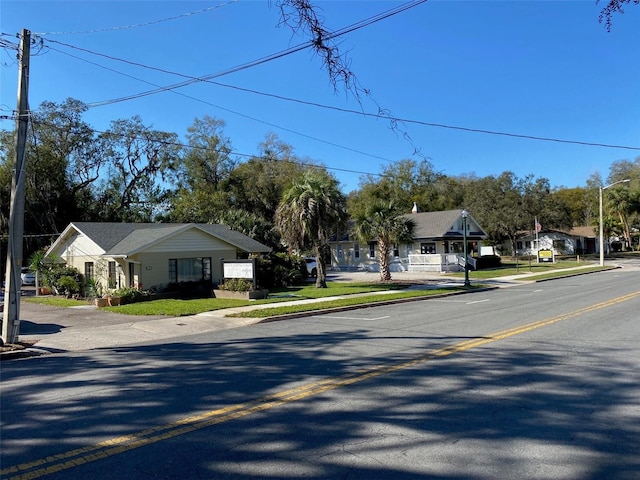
x=535, y=68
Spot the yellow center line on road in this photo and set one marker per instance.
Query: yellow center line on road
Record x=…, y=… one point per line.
x=91, y=453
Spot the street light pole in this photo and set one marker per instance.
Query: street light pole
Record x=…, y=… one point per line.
x=601, y=219
x=465, y=214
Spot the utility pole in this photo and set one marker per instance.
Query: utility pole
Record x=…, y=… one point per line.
x=11, y=313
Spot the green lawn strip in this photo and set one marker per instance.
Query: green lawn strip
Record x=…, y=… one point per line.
x=178, y=308
x=511, y=268
x=270, y=311
x=333, y=289
x=56, y=301
x=566, y=273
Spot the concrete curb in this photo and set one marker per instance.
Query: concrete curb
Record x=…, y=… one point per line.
x=348, y=308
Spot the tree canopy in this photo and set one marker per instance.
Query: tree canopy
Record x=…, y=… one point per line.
x=133, y=172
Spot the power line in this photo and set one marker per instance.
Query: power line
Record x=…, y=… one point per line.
x=424, y=123
x=309, y=44
x=35, y=121
x=326, y=142
x=325, y=37
x=138, y=25
x=208, y=79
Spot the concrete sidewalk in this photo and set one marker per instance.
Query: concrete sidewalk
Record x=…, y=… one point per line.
x=116, y=330
x=84, y=328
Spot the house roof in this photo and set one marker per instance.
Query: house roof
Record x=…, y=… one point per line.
x=588, y=232
x=584, y=231
x=129, y=238
x=442, y=224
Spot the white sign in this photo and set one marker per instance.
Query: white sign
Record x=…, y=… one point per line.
x=490, y=250
x=238, y=270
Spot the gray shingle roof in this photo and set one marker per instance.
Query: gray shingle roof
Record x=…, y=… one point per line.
x=127, y=238
x=438, y=224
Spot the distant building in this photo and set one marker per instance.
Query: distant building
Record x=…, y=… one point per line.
x=437, y=245
x=576, y=241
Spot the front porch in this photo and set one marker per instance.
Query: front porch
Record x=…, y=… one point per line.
x=439, y=262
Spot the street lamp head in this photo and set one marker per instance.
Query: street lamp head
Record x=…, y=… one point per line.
x=626, y=180
x=464, y=213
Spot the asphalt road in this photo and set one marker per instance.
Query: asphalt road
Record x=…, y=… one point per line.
x=531, y=382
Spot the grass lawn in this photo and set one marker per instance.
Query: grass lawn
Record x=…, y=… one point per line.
x=178, y=308
x=513, y=268
x=56, y=301
x=557, y=273
x=270, y=311
x=333, y=288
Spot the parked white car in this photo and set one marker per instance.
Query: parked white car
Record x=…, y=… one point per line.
x=312, y=266
x=28, y=277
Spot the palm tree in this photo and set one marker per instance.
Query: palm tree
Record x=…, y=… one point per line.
x=621, y=204
x=310, y=211
x=383, y=221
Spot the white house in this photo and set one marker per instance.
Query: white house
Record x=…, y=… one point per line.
x=576, y=241
x=144, y=255
x=437, y=245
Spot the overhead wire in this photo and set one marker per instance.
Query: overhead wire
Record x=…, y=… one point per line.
x=289, y=51
x=35, y=121
x=138, y=25
x=382, y=115
x=330, y=36
x=264, y=122
x=303, y=46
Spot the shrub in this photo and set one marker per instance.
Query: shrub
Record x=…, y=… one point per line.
x=129, y=295
x=237, y=285
x=488, y=261
x=68, y=285
x=57, y=272
x=200, y=289
x=93, y=288
x=281, y=270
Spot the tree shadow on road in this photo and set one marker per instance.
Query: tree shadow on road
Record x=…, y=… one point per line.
x=476, y=414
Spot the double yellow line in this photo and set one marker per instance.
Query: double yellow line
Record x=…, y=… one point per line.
x=91, y=453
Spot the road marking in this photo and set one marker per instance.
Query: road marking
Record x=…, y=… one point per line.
x=352, y=318
x=118, y=445
x=478, y=301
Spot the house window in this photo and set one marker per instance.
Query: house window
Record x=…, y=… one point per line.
x=132, y=272
x=519, y=245
x=356, y=250
x=560, y=246
x=427, y=248
x=340, y=253
x=396, y=251
x=112, y=275
x=189, y=269
x=372, y=250
x=89, y=270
